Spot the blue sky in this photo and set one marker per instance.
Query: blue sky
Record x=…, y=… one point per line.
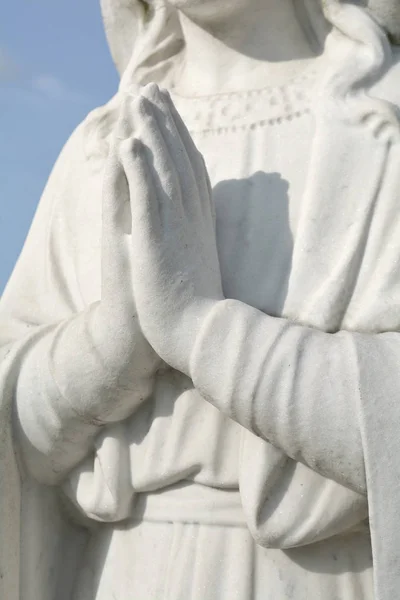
x=54, y=68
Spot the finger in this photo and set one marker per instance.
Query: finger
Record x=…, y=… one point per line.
x=144, y=199
x=115, y=202
x=196, y=158
x=125, y=126
x=115, y=192
x=175, y=145
x=164, y=173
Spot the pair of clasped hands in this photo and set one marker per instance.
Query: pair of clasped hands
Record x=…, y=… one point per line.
x=160, y=268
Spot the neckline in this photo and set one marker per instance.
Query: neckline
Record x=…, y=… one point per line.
x=248, y=109
x=307, y=74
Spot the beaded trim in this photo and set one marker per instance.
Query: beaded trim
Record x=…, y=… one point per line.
x=246, y=110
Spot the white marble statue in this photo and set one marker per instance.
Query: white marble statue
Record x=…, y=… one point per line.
x=200, y=358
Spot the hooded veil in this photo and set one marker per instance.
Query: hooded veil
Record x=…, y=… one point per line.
x=144, y=36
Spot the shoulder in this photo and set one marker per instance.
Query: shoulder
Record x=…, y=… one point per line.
x=97, y=129
x=76, y=177
x=70, y=211
x=87, y=147
x=80, y=164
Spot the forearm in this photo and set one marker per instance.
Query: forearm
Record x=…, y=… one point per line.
x=291, y=385
x=68, y=388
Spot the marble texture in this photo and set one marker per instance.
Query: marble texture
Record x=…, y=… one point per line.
x=199, y=343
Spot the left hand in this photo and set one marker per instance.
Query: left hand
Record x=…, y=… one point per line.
x=174, y=259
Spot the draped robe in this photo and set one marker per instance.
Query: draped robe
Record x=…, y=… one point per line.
x=345, y=276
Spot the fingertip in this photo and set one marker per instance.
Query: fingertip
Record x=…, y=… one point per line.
x=155, y=94
x=150, y=91
x=165, y=93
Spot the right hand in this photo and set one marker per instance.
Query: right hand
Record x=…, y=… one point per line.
x=116, y=329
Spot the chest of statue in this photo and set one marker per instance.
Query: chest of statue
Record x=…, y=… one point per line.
x=258, y=194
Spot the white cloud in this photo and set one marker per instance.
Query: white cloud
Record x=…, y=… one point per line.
x=37, y=87
x=53, y=88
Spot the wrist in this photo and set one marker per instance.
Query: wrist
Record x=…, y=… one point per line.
x=96, y=382
x=186, y=332
x=121, y=347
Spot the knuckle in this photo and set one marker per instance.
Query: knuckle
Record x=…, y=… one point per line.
x=131, y=147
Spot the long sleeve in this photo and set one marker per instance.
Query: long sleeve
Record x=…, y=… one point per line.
x=65, y=395
x=63, y=392
x=294, y=386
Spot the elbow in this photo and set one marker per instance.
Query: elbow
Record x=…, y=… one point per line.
x=36, y=465
x=33, y=461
